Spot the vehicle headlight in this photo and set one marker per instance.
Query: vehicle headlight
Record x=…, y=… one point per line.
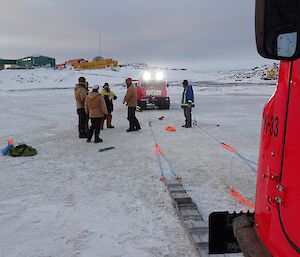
x=159, y=76
x=146, y=76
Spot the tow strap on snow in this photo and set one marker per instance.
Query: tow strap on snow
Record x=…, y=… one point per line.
x=236, y=195
x=229, y=148
x=245, y=160
x=160, y=155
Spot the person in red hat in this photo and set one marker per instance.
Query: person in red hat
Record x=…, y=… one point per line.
x=131, y=101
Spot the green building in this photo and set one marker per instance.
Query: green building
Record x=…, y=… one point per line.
x=36, y=61
x=3, y=62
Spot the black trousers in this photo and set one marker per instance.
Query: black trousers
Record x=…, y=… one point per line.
x=133, y=121
x=187, y=110
x=96, y=124
x=82, y=121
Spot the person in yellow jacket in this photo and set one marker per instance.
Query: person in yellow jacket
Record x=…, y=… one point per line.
x=108, y=96
x=131, y=101
x=96, y=110
x=81, y=92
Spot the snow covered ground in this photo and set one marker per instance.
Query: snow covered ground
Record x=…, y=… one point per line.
x=71, y=200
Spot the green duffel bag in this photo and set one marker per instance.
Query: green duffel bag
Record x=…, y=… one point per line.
x=22, y=150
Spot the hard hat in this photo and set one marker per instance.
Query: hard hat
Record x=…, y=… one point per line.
x=128, y=81
x=95, y=87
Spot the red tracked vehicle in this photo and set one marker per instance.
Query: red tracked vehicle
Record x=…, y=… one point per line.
x=273, y=230
x=152, y=92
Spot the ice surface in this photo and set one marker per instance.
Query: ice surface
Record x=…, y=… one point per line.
x=71, y=200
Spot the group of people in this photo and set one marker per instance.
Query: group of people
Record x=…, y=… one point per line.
x=98, y=106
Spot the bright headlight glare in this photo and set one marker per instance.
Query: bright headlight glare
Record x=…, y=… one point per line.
x=146, y=76
x=159, y=76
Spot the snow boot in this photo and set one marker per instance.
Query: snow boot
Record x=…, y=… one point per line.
x=108, y=120
x=98, y=140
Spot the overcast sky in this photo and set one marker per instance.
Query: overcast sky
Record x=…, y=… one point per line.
x=196, y=34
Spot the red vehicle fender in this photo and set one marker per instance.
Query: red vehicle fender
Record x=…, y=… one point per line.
x=277, y=210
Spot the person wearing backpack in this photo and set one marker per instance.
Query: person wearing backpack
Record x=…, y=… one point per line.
x=81, y=92
x=95, y=109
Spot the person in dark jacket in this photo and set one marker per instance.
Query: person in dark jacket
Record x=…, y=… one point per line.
x=131, y=101
x=108, y=96
x=81, y=92
x=187, y=102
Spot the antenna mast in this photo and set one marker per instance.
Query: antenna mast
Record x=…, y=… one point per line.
x=100, y=44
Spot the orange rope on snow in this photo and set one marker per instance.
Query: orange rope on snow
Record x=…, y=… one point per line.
x=159, y=154
x=228, y=147
x=235, y=194
x=158, y=150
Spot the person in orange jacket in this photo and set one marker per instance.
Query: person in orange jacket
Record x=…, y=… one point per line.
x=131, y=101
x=96, y=109
x=81, y=92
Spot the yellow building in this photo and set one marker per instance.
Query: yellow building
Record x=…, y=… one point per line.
x=99, y=64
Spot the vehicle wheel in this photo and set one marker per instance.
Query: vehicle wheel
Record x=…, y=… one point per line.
x=160, y=105
x=142, y=105
x=167, y=104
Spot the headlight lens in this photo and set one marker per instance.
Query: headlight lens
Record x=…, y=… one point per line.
x=146, y=76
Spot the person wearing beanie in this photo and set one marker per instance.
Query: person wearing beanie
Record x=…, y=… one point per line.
x=95, y=108
x=81, y=92
x=108, y=96
x=131, y=101
x=187, y=102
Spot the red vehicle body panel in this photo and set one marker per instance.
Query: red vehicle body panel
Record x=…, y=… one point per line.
x=277, y=212
x=157, y=89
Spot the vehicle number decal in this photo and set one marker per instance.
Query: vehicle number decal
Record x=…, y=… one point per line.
x=271, y=125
